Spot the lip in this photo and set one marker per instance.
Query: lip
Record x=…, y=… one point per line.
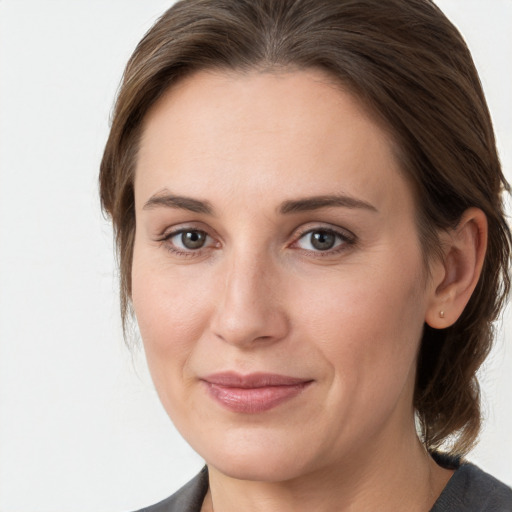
x=255, y=392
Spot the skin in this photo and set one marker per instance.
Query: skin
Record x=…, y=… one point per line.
x=259, y=297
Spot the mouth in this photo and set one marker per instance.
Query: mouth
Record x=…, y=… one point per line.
x=253, y=393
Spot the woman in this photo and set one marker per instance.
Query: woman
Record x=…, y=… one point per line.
x=307, y=201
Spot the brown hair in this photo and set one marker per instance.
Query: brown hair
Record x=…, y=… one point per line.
x=412, y=69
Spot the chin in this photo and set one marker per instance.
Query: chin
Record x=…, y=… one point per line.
x=258, y=459
x=261, y=469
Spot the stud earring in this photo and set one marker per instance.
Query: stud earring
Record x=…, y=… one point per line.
x=441, y=314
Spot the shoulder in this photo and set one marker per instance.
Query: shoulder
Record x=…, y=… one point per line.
x=472, y=490
x=187, y=499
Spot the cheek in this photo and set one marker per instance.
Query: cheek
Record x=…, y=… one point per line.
x=171, y=314
x=366, y=325
x=171, y=318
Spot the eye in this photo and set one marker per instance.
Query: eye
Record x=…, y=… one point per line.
x=187, y=240
x=322, y=240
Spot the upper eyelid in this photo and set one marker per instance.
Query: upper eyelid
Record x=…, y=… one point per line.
x=300, y=230
x=348, y=240
x=343, y=232
x=180, y=228
x=165, y=241
x=173, y=232
x=176, y=232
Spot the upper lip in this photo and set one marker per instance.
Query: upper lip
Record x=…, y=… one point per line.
x=253, y=380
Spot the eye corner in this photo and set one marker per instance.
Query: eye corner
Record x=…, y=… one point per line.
x=187, y=241
x=324, y=240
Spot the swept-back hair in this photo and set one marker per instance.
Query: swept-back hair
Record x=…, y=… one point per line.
x=411, y=68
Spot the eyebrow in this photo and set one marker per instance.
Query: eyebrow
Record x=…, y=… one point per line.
x=179, y=202
x=317, y=202
x=168, y=200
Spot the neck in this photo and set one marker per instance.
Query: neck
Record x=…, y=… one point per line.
x=399, y=477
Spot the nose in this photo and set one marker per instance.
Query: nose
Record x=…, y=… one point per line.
x=250, y=306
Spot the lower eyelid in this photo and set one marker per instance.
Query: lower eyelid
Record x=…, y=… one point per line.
x=165, y=240
x=344, y=242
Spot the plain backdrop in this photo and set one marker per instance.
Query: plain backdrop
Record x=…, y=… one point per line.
x=81, y=429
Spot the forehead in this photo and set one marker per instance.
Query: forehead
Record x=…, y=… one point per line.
x=298, y=130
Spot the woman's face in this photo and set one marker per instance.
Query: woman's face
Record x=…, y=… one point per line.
x=278, y=280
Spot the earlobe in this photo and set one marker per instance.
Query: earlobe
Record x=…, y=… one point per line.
x=456, y=276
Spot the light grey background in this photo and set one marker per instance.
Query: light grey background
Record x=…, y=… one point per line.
x=81, y=429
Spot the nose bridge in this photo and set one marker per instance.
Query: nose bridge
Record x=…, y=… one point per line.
x=249, y=308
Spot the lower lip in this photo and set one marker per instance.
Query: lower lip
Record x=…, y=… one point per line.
x=254, y=400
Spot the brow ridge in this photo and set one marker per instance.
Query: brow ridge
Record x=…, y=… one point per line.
x=324, y=201
x=169, y=200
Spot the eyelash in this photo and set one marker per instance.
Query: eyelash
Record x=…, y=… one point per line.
x=345, y=240
x=190, y=253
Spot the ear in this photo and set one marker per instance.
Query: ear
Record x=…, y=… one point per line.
x=455, y=277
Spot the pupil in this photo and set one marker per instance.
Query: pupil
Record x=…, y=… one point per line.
x=193, y=239
x=322, y=240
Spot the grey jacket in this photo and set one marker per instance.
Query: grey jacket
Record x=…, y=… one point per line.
x=469, y=490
